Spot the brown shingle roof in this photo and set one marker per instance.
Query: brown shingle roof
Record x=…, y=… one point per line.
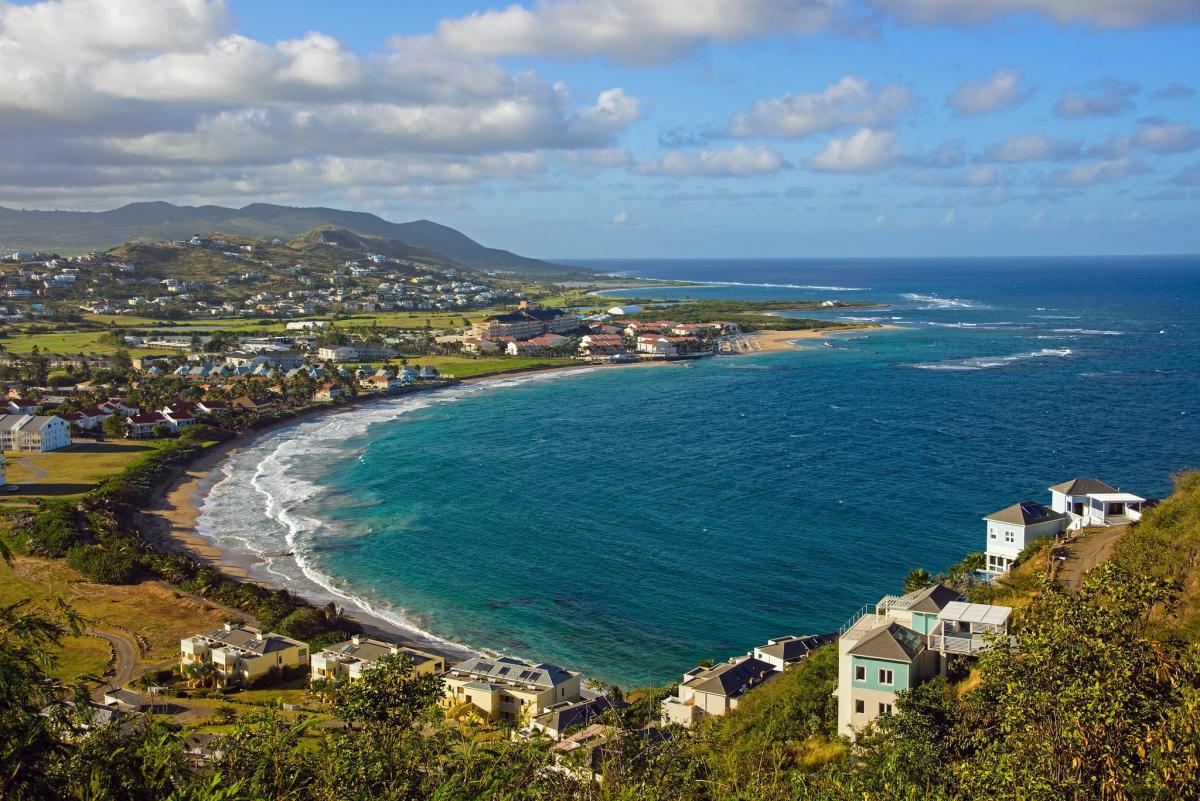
x=892, y=642
x=1082, y=486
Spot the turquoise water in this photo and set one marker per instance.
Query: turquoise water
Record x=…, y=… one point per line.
x=629, y=522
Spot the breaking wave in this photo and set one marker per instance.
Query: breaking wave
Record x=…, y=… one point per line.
x=991, y=362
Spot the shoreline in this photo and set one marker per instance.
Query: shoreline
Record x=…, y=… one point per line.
x=170, y=521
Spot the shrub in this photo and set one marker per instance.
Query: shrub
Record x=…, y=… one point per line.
x=103, y=565
x=54, y=529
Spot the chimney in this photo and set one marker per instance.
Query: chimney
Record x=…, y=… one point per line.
x=229, y=625
x=356, y=639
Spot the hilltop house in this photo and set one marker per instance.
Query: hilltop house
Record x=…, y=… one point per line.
x=1014, y=527
x=242, y=654
x=568, y=714
x=902, y=642
x=27, y=432
x=779, y=652
x=349, y=660
x=1091, y=502
x=714, y=690
x=508, y=688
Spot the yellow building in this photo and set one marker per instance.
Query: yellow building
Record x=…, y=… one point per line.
x=350, y=659
x=507, y=688
x=241, y=653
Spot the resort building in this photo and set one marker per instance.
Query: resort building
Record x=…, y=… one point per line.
x=508, y=688
x=902, y=642
x=529, y=320
x=779, y=652
x=714, y=690
x=28, y=432
x=242, y=654
x=1091, y=502
x=349, y=660
x=535, y=346
x=568, y=714
x=1014, y=527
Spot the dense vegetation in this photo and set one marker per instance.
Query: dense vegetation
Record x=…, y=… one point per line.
x=750, y=315
x=1099, y=699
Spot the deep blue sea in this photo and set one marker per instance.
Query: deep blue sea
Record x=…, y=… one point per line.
x=629, y=522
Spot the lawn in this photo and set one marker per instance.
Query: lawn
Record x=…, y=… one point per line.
x=150, y=609
x=465, y=367
x=70, y=471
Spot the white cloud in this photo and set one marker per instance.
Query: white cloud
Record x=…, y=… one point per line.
x=850, y=101
x=865, y=151
x=1098, y=13
x=738, y=161
x=1032, y=147
x=1002, y=90
x=1154, y=136
x=638, y=32
x=1108, y=98
x=152, y=93
x=620, y=218
x=975, y=175
x=1096, y=172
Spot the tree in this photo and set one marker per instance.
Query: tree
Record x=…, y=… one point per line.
x=917, y=579
x=114, y=425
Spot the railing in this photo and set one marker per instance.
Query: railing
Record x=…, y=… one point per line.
x=862, y=612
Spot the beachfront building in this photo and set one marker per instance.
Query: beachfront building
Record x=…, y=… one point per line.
x=540, y=345
x=903, y=641
x=1014, y=527
x=242, y=654
x=557, y=718
x=30, y=432
x=779, y=652
x=508, y=688
x=529, y=320
x=349, y=660
x=714, y=690
x=1090, y=502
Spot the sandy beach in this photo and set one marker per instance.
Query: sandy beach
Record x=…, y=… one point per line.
x=768, y=341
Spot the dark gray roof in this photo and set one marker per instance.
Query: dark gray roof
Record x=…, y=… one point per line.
x=563, y=716
x=892, y=642
x=730, y=679
x=1082, y=486
x=507, y=668
x=1026, y=513
x=792, y=648
x=930, y=599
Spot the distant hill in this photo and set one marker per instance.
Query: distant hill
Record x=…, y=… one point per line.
x=77, y=231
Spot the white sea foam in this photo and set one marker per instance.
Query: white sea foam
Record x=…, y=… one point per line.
x=938, y=302
x=255, y=507
x=989, y=362
x=1097, y=332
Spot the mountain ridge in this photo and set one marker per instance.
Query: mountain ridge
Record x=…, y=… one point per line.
x=77, y=231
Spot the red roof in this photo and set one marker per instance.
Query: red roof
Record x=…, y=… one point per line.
x=147, y=418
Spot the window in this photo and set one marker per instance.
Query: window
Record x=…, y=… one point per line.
x=860, y=706
x=885, y=676
x=992, y=533
x=885, y=709
x=860, y=673
x=1009, y=536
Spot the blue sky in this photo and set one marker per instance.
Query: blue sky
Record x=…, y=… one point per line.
x=627, y=128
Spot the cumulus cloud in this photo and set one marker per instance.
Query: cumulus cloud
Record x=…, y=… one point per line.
x=852, y=101
x=951, y=153
x=636, y=32
x=975, y=175
x=1002, y=90
x=140, y=94
x=1153, y=136
x=738, y=161
x=1097, y=13
x=1032, y=147
x=865, y=151
x=1090, y=173
x=1108, y=97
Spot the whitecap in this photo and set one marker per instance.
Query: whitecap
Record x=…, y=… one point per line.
x=989, y=362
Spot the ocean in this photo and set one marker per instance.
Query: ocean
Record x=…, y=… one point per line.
x=630, y=522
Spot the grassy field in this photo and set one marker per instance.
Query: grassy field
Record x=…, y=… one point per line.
x=149, y=609
x=70, y=471
x=464, y=367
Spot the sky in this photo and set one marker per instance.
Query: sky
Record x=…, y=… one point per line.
x=629, y=128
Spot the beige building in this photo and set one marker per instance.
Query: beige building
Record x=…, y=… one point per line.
x=349, y=660
x=508, y=688
x=714, y=690
x=241, y=653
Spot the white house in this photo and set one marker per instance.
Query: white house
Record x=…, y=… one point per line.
x=1091, y=502
x=1014, y=527
x=27, y=432
x=779, y=652
x=714, y=690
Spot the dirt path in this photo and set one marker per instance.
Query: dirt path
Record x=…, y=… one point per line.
x=1089, y=550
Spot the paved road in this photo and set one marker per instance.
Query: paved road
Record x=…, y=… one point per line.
x=126, y=660
x=1085, y=553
